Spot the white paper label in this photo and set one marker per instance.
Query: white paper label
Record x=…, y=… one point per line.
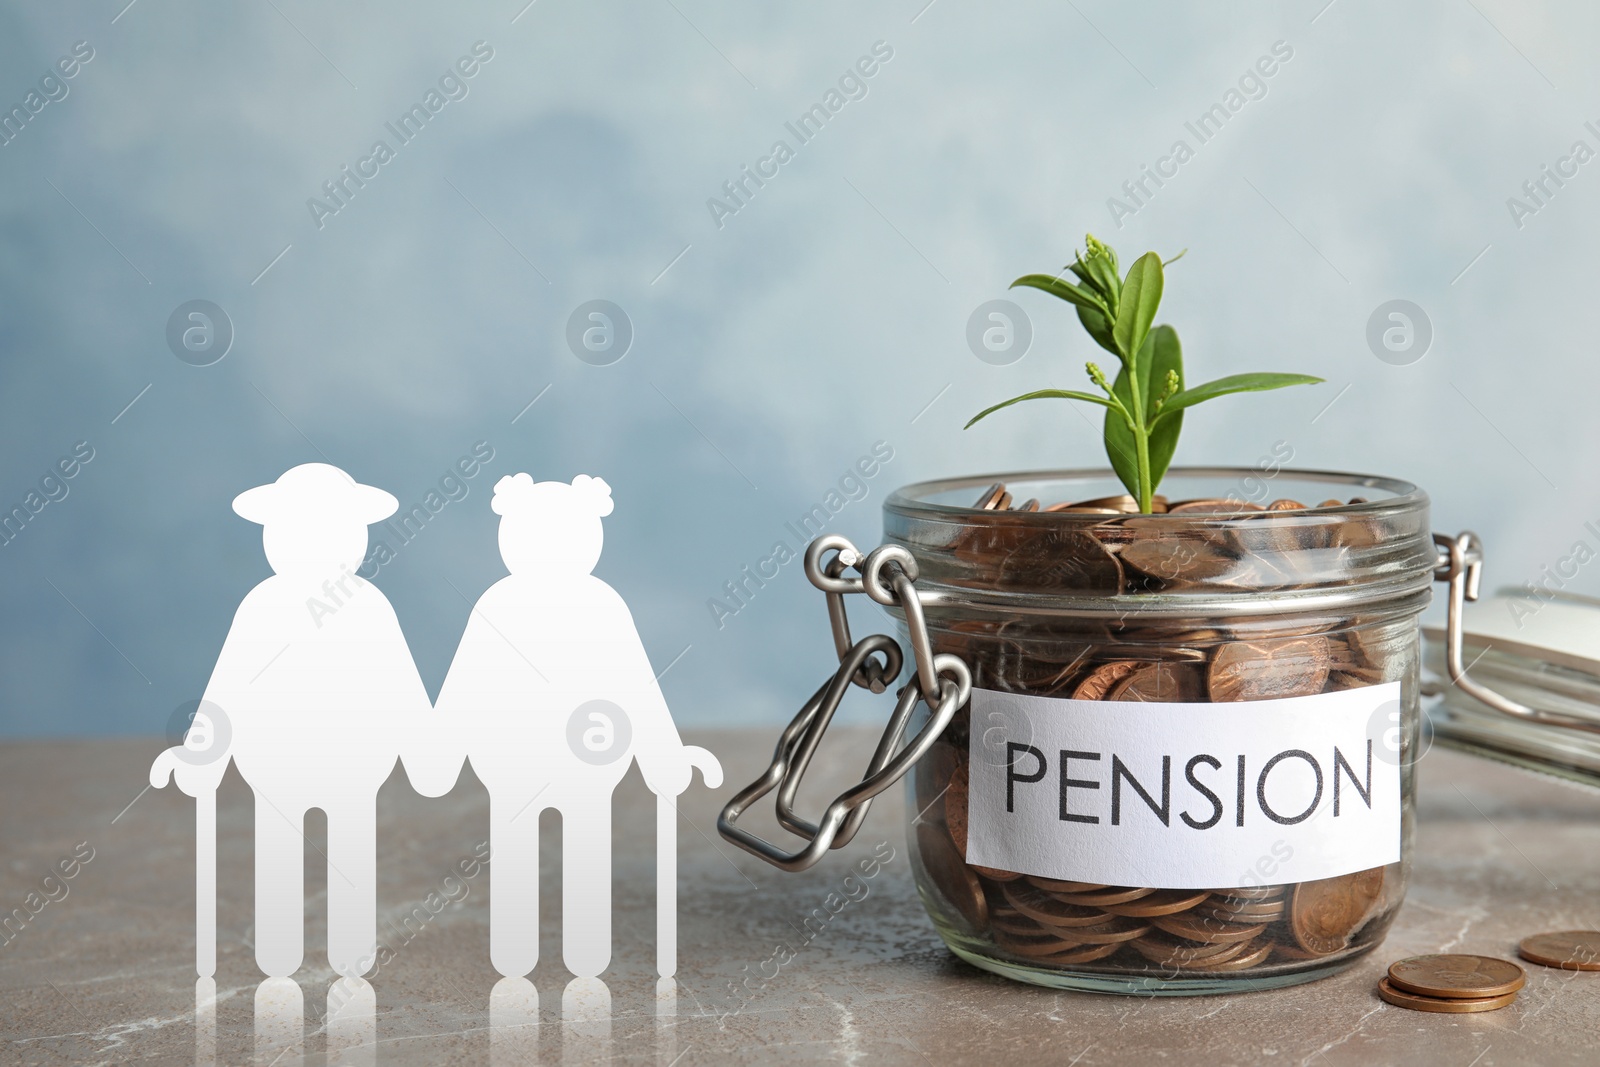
x=1185, y=796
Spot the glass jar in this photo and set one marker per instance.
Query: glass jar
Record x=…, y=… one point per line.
x=1186, y=766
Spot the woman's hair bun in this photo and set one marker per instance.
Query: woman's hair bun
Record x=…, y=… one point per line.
x=596, y=491
x=518, y=494
x=512, y=494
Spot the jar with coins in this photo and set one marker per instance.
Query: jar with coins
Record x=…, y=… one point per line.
x=1161, y=752
x=1186, y=762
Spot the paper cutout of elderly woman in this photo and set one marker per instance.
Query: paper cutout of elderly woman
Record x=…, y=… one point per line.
x=551, y=695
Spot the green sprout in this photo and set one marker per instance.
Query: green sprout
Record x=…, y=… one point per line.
x=1145, y=405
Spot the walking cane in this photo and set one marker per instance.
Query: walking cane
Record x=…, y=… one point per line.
x=667, y=861
x=666, y=887
x=205, y=883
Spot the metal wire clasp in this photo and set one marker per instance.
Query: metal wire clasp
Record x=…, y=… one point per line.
x=888, y=575
x=1461, y=564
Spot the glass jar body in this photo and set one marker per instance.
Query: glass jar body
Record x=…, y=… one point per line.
x=1298, y=609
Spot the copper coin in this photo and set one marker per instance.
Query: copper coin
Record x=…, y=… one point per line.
x=1286, y=505
x=1205, y=930
x=955, y=808
x=1174, y=557
x=1060, y=556
x=1161, y=683
x=995, y=874
x=1109, y=934
x=1102, y=678
x=994, y=498
x=1244, y=913
x=950, y=876
x=1078, y=509
x=1161, y=902
x=1109, y=895
x=1172, y=952
x=1052, y=885
x=1250, y=893
x=1211, y=507
x=1571, y=950
x=1325, y=914
x=1028, y=505
x=1456, y=976
x=933, y=774
x=1248, y=958
x=1054, y=951
x=1268, y=669
x=1044, y=908
x=1086, y=954
x=1331, y=504
x=1124, y=503
x=1452, y=1005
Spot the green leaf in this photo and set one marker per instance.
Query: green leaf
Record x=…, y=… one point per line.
x=1161, y=353
x=1099, y=327
x=1042, y=394
x=1063, y=290
x=1233, y=383
x=1136, y=309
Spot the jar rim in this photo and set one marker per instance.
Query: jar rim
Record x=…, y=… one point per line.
x=910, y=500
x=1401, y=582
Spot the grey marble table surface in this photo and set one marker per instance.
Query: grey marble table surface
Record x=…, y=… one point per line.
x=102, y=972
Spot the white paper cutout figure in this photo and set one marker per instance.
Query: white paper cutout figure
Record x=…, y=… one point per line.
x=551, y=695
x=318, y=687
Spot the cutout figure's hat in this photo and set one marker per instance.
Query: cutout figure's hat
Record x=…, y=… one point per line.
x=318, y=490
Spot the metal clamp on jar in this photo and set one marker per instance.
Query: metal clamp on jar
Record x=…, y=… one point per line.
x=1169, y=753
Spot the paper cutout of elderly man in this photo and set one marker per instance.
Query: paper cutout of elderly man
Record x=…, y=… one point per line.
x=551, y=695
x=314, y=689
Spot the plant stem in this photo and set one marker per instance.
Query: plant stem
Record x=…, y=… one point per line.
x=1141, y=441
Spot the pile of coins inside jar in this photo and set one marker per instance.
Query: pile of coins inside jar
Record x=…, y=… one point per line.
x=1064, y=923
x=1110, y=548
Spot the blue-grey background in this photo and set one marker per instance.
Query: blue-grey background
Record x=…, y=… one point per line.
x=771, y=352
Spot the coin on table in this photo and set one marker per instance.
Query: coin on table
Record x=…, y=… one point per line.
x=1456, y=975
x=1324, y=915
x=1265, y=670
x=1450, y=1005
x=956, y=883
x=1102, y=678
x=1570, y=950
x=1162, y=683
